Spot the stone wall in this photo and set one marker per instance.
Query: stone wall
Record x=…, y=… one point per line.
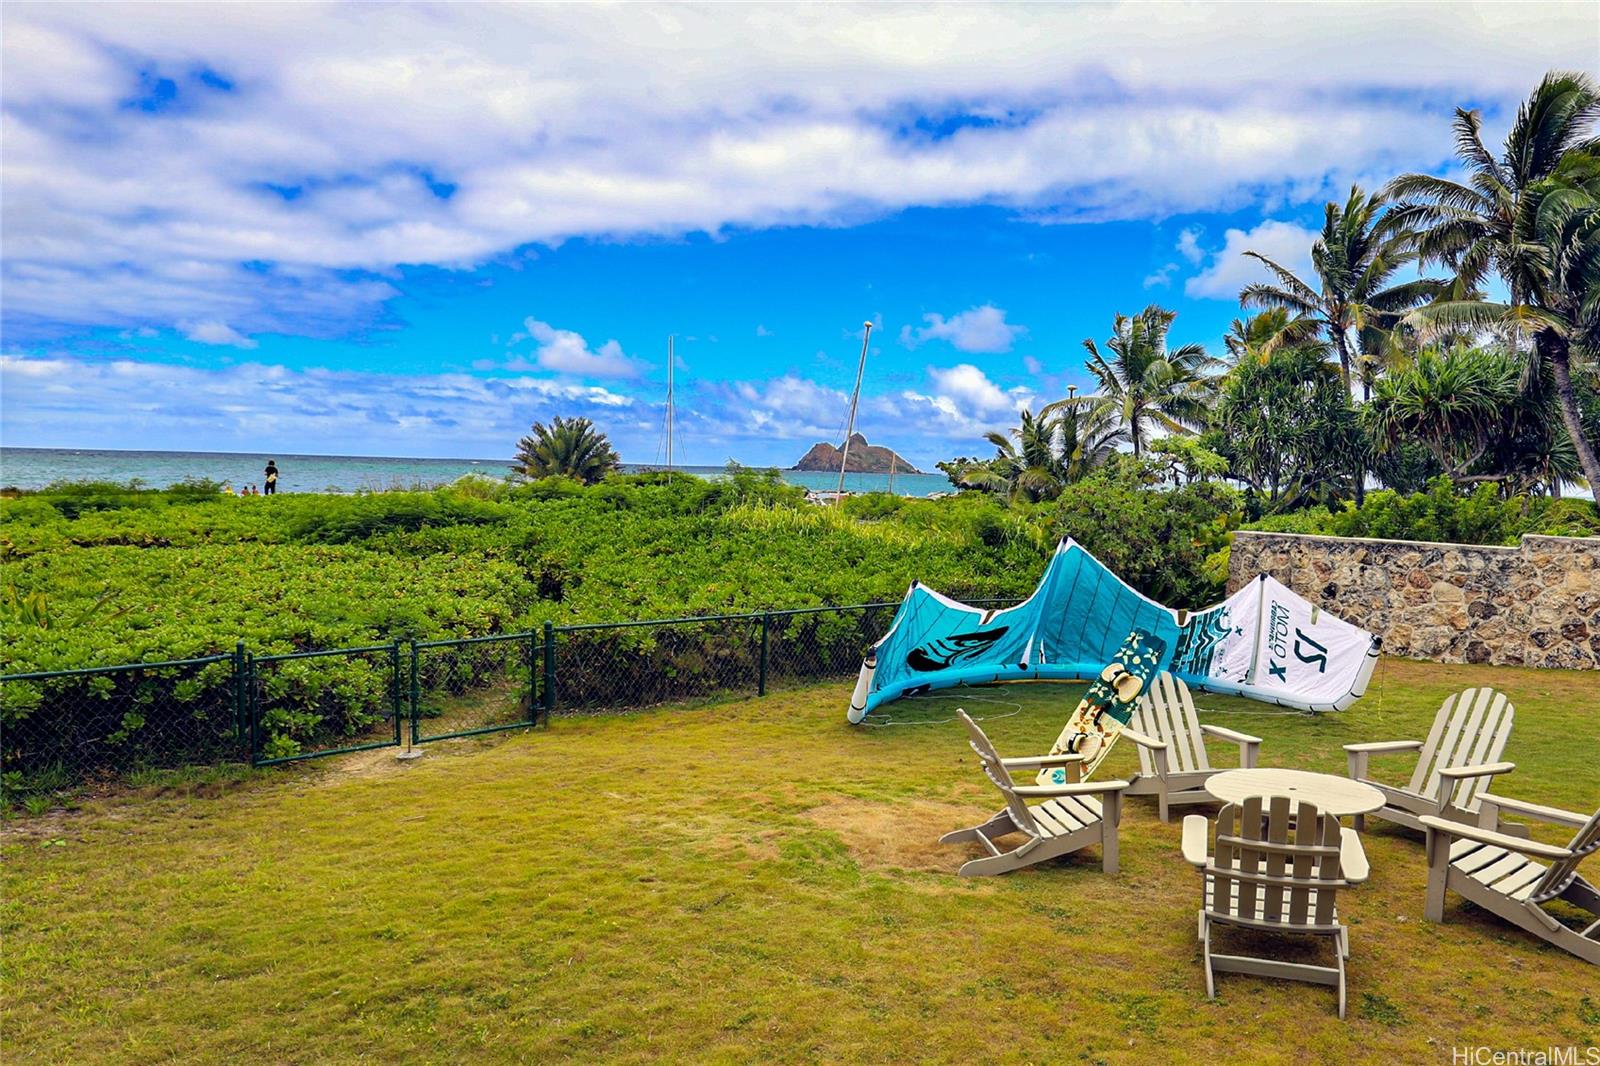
x=1535, y=604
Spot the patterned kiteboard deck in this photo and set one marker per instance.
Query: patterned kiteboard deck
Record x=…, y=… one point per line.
x=1108, y=705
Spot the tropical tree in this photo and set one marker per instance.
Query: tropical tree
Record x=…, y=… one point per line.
x=1059, y=445
x=1451, y=402
x=567, y=447
x=1285, y=425
x=1146, y=385
x=1089, y=434
x=1259, y=336
x=1532, y=217
x=1355, y=258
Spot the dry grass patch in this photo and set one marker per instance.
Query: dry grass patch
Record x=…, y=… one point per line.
x=900, y=836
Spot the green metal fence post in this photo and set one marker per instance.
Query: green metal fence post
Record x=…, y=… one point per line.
x=761, y=685
x=395, y=709
x=252, y=706
x=549, y=670
x=533, y=678
x=241, y=727
x=416, y=698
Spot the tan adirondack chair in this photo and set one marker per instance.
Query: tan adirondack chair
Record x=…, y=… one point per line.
x=1500, y=873
x=1073, y=815
x=1173, y=765
x=1282, y=877
x=1454, y=764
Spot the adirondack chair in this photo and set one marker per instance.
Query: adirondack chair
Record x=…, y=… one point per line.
x=1454, y=764
x=1283, y=877
x=1073, y=815
x=1173, y=765
x=1500, y=873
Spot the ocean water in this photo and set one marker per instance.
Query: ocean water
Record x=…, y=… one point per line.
x=34, y=468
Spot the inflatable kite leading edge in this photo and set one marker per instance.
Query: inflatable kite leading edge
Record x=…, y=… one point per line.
x=1264, y=642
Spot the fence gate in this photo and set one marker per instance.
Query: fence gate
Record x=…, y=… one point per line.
x=461, y=688
x=308, y=704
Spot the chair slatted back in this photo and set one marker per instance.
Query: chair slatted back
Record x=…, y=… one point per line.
x=1166, y=712
x=1471, y=729
x=989, y=759
x=1585, y=842
x=1283, y=868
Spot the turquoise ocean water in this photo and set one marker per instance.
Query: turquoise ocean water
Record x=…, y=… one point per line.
x=34, y=468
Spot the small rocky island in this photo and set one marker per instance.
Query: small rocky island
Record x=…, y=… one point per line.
x=864, y=459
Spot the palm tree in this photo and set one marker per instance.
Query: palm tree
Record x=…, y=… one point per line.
x=1530, y=217
x=1089, y=434
x=1031, y=467
x=1361, y=246
x=1146, y=384
x=1261, y=336
x=1059, y=445
x=567, y=447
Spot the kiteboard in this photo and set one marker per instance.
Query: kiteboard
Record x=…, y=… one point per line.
x=1108, y=705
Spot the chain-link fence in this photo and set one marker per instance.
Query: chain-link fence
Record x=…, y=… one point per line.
x=66, y=727
x=478, y=685
x=641, y=664
x=310, y=703
x=69, y=726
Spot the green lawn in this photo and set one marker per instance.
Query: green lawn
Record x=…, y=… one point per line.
x=753, y=879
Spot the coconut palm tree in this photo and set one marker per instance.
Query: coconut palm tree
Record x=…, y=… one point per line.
x=1529, y=216
x=1260, y=336
x=567, y=447
x=1355, y=258
x=1089, y=434
x=1146, y=384
x=1029, y=466
x=1048, y=451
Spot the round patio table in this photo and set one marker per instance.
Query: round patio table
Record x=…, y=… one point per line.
x=1338, y=796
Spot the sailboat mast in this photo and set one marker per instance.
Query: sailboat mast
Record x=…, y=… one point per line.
x=855, y=400
x=669, y=403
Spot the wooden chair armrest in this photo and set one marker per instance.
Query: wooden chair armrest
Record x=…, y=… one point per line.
x=1035, y=762
x=1553, y=815
x=1228, y=734
x=1500, y=840
x=1143, y=741
x=1353, y=857
x=1450, y=776
x=1382, y=747
x=1196, y=827
x=1083, y=788
x=1488, y=769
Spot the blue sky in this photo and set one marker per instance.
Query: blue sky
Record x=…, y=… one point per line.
x=413, y=230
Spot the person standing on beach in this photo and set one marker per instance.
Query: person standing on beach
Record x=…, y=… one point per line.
x=272, y=478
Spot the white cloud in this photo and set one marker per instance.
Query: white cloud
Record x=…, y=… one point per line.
x=212, y=331
x=763, y=331
x=1032, y=365
x=1189, y=245
x=254, y=405
x=566, y=352
x=978, y=329
x=351, y=140
x=1160, y=278
x=1230, y=269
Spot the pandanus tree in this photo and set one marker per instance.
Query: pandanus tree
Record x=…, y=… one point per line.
x=1532, y=217
x=567, y=447
x=1146, y=385
x=1353, y=296
x=1452, y=402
